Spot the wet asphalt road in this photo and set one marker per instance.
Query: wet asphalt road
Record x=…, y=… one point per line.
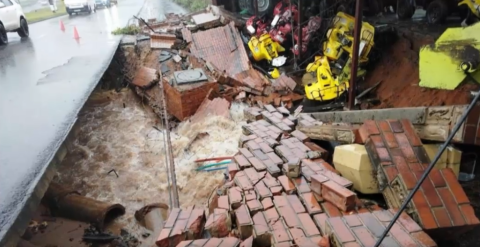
x=44, y=82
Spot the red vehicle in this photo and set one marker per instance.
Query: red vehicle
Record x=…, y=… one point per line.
x=308, y=32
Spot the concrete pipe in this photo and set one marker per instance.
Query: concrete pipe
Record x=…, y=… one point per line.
x=70, y=204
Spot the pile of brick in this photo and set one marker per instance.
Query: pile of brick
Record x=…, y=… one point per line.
x=282, y=192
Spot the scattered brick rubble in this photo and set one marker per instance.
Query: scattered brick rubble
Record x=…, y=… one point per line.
x=282, y=192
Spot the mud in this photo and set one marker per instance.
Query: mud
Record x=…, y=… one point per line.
x=398, y=72
x=115, y=131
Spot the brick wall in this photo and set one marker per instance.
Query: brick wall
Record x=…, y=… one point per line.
x=400, y=159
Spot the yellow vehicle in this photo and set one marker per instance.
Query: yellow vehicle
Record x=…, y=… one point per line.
x=328, y=77
x=265, y=49
x=320, y=83
x=453, y=58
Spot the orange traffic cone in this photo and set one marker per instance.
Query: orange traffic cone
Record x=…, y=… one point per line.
x=75, y=33
x=62, y=27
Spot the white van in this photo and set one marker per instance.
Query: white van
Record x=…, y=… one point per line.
x=79, y=6
x=12, y=19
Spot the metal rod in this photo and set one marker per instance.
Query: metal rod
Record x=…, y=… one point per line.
x=169, y=152
x=429, y=168
x=255, y=6
x=300, y=36
x=356, y=45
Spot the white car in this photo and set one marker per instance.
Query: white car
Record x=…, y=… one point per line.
x=12, y=19
x=79, y=6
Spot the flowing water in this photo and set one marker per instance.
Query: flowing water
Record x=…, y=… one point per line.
x=115, y=131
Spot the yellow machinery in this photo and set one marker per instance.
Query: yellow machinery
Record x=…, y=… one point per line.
x=333, y=68
x=453, y=57
x=473, y=6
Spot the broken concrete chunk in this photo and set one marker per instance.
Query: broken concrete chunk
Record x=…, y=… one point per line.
x=292, y=167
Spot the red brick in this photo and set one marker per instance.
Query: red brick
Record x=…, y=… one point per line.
x=352, y=244
x=262, y=190
x=259, y=154
x=265, y=147
x=311, y=203
x=243, y=182
x=267, y=203
x=424, y=239
x=254, y=206
x=364, y=236
x=245, y=153
x=241, y=161
x=172, y=218
x=276, y=190
x=391, y=172
x=274, y=158
x=402, y=140
x=308, y=225
x=338, y=195
x=383, y=126
x=409, y=154
x=257, y=164
x=337, y=179
x=469, y=214
x=437, y=178
x=232, y=170
x=244, y=222
x=402, y=236
x=281, y=235
x=340, y=230
x=297, y=234
x=330, y=209
x=429, y=191
x=383, y=155
x=443, y=219
x=377, y=141
x=270, y=181
x=427, y=219
x=250, y=195
x=289, y=216
x=452, y=207
x=300, y=136
x=320, y=221
x=352, y=220
x=389, y=140
x=162, y=239
x=395, y=125
x=295, y=203
x=401, y=164
x=223, y=202
x=371, y=222
x=271, y=214
x=415, y=167
x=371, y=127
x=455, y=186
x=316, y=183
x=251, y=145
x=287, y=184
x=411, y=133
x=301, y=185
x=235, y=197
x=408, y=179
x=408, y=223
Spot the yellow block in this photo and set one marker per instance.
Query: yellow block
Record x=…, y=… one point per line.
x=353, y=163
x=451, y=158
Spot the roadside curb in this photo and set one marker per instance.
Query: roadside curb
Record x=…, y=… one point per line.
x=32, y=22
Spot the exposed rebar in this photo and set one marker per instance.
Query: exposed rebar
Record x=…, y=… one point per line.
x=356, y=46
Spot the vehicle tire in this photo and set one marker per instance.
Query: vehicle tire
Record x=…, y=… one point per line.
x=23, y=31
x=437, y=12
x=404, y=9
x=3, y=35
x=70, y=13
x=265, y=7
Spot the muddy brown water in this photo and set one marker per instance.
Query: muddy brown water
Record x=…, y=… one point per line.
x=115, y=131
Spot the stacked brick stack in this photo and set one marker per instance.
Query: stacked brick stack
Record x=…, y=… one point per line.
x=400, y=159
x=282, y=193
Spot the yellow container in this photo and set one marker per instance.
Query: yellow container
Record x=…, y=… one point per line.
x=353, y=163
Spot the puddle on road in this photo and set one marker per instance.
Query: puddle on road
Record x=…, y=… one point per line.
x=115, y=131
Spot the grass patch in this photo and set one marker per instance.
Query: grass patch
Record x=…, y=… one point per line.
x=193, y=5
x=45, y=13
x=128, y=30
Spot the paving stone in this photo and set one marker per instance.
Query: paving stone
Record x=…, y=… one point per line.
x=262, y=190
x=219, y=224
x=254, y=206
x=311, y=203
x=244, y=222
x=300, y=136
x=287, y=184
x=316, y=183
x=267, y=203
x=241, y=161
x=235, y=197
x=261, y=231
x=341, y=197
x=301, y=185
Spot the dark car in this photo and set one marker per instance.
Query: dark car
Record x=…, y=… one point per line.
x=102, y=3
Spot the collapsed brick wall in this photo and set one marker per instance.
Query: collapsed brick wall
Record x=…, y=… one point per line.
x=400, y=159
x=281, y=192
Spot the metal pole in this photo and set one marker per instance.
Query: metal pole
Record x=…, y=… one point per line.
x=356, y=43
x=171, y=163
x=255, y=6
x=300, y=36
x=429, y=168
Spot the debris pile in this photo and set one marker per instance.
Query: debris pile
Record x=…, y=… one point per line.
x=281, y=191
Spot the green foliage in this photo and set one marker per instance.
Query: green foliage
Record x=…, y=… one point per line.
x=193, y=5
x=128, y=30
